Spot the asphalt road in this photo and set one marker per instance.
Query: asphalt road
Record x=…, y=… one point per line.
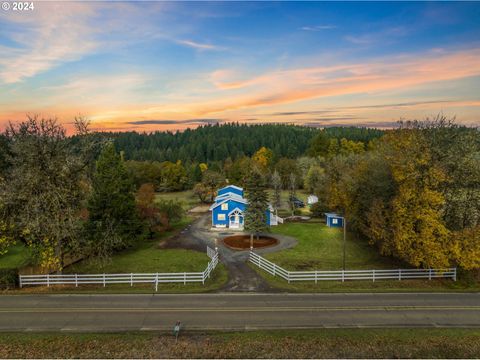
x=235, y=311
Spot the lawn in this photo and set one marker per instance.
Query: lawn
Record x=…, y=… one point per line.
x=188, y=199
x=147, y=257
x=321, y=343
x=17, y=256
x=321, y=248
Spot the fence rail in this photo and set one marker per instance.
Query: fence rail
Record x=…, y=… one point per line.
x=341, y=275
x=131, y=278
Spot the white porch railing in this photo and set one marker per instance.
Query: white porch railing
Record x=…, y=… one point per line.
x=340, y=275
x=125, y=278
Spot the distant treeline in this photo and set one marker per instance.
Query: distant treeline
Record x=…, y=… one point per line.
x=211, y=143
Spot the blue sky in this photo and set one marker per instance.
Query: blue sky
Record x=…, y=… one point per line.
x=162, y=65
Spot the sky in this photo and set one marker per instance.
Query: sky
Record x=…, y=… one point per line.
x=149, y=66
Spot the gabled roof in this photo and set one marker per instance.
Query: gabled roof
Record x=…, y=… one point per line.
x=236, y=209
x=231, y=186
x=233, y=198
x=229, y=194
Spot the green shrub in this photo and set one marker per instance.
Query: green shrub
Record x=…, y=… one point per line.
x=8, y=278
x=318, y=209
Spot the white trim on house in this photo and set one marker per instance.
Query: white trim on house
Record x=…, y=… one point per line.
x=226, y=195
x=240, y=200
x=233, y=211
x=236, y=214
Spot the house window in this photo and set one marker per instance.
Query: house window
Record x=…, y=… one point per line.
x=221, y=217
x=334, y=221
x=225, y=206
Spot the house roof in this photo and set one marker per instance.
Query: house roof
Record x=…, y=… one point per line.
x=231, y=186
x=229, y=194
x=233, y=198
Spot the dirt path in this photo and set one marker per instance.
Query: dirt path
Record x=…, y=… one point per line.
x=241, y=277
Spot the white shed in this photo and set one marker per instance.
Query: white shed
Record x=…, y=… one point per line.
x=312, y=199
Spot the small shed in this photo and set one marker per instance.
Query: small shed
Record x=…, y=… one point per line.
x=334, y=220
x=312, y=199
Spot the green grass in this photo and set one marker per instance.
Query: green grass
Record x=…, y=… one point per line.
x=321, y=343
x=17, y=256
x=147, y=257
x=188, y=199
x=321, y=248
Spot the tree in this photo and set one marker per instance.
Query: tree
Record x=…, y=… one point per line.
x=43, y=188
x=113, y=221
x=145, y=200
x=293, y=192
x=255, y=213
x=263, y=159
x=285, y=167
x=173, y=176
x=313, y=178
x=170, y=211
x=277, y=188
x=212, y=180
x=319, y=145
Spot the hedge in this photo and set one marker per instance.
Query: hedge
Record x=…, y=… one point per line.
x=8, y=278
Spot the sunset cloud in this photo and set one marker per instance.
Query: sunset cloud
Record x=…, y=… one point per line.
x=172, y=65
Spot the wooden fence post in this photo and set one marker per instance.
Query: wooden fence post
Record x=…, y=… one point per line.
x=454, y=274
x=76, y=280
x=103, y=279
x=343, y=275
x=316, y=276
x=430, y=274
x=373, y=275
x=48, y=280
x=131, y=279
x=156, y=282
x=399, y=274
x=20, y=281
x=184, y=278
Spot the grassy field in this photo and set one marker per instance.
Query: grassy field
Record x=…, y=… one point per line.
x=321, y=248
x=147, y=256
x=17, y=256
x=187, y=198
x=324, y=343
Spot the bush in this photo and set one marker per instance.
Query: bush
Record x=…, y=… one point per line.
x=170, y=212
x=8, y=278
x=318, y=209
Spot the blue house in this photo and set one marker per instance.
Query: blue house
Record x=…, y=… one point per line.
x=229, y=208
x=334, y=220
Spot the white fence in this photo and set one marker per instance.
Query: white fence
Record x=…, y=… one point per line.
x=340, y=275
x=132, y=278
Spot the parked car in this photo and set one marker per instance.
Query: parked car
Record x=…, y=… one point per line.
x=297, y=202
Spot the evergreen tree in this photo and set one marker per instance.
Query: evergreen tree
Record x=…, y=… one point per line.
x=257, y=197
x=113, y=222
